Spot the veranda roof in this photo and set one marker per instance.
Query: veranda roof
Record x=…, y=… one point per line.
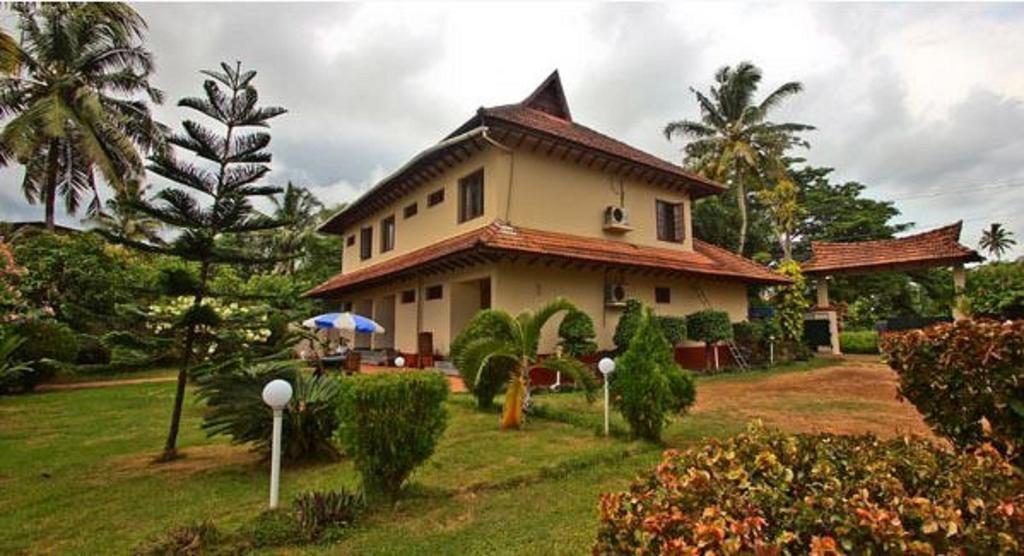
x=501, y=241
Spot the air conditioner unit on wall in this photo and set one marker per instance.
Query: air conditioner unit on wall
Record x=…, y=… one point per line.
x=616, y=219
x=615, y=295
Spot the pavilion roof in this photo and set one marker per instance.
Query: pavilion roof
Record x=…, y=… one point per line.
x=934, y=248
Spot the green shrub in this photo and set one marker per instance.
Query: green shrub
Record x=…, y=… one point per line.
x=390, y=424
x=234, y=407
x=46, y=339
x=318, y=512
x=273, y=528
x=997, y=290
x=576, y=333
x=484, y=325
x=91, y=351
x=859, y=341
x=648, y=384
x=964, y=377
x=709, y=326
x=673, y=328
x=764, y=492
x=629, y=322
x=13, y=374
x=755, y=338
x=791, y=302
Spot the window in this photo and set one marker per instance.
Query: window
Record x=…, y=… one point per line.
x=434, y=292
x=346, y=307
x=435, y=198
x=387, y=234
x=408, y=296
x=471, y=196
x=350, y=241
x=365, y=243
x=662, y=294
x=670, y=221
x=410, y=210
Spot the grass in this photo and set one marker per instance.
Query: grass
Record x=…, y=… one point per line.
x=77, y=477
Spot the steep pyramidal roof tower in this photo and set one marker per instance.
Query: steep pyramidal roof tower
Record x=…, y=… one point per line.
x=549, y=98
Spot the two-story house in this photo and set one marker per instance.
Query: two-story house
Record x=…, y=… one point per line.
x=520, y=205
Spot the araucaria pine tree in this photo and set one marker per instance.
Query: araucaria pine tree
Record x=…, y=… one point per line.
x=231, y=162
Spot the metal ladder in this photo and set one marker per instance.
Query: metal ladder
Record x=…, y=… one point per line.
x=734, y=350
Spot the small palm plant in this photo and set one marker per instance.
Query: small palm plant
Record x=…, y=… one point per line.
x=516, y=339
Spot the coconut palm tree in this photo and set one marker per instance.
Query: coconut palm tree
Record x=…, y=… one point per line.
x=734, y=142
x=72, y=101
x=301, y=210
x=997, y=240
x=121, y=217
x=516, y=339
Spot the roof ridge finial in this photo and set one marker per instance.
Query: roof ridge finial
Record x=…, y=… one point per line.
x=549, y=98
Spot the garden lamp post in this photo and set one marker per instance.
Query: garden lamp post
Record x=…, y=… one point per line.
x=276, y=394
x=399, y=361
x=606, y=366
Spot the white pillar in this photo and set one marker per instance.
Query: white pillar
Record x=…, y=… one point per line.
x=959, y=285
x=822, y=287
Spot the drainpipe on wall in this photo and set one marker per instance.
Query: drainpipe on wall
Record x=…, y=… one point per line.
x=511, y=171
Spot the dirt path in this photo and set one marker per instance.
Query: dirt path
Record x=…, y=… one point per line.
x=855, y=397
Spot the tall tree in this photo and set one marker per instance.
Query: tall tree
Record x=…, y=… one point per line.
x=734, y=142
x=121, y=217
x=301, y=209
x=238, y=160
x=74, y=101
x=997, y=240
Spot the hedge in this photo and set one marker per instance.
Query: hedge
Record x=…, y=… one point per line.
x=965, y=378
x=390, y=424
x=765, y=492
x=859, y=341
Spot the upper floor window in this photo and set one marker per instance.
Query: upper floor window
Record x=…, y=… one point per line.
x=387, y=234
x=435, y=198
x=365, y=243
x=411, y=210
x=350, y=241
x=471, y=196
x=670, y=221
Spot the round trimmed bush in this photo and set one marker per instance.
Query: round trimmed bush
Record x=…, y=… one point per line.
x=483, y=325
x=765, y=492
x=576, y=333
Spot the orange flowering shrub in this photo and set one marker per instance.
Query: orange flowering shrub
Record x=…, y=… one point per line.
x=966, y=379
x=764, y=492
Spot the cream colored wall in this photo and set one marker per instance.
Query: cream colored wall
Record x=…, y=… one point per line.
x=437, y=315
x=433, y=224
x=520, y=287
x=551, y=194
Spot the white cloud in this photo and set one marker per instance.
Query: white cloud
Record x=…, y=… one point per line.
x=909, y=99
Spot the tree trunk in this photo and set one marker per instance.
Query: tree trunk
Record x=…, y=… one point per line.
x=171, y=445
x=49, y=192
x=741, y=202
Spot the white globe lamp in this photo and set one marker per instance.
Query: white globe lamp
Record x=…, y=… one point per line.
x=277, y=393
x=399, y=361
x=607, y=366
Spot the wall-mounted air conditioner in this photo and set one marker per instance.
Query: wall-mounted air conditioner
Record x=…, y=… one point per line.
x=615, y=295
x=616, y=219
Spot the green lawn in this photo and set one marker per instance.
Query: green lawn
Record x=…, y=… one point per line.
x=76, y=477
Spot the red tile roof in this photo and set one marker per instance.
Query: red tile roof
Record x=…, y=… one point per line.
x=538, y=121
x=705, y=260
x=939, y=247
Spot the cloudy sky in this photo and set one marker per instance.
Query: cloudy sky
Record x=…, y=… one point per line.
x=924, y=103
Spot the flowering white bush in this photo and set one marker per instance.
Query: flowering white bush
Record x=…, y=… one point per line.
x=241, y=325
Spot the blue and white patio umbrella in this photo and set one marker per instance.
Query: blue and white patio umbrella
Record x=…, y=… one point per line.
x=344, y=321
